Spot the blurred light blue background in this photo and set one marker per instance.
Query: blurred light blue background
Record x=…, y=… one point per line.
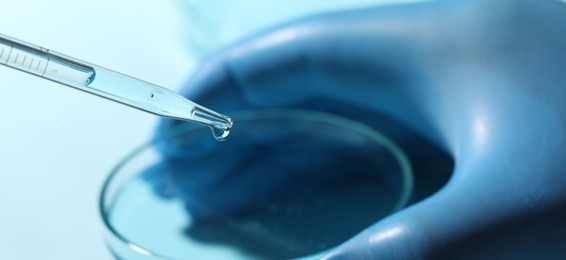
x=57, y=144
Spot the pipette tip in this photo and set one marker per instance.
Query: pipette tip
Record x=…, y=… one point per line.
x=220, y=124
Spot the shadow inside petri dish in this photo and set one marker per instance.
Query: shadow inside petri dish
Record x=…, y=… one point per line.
x=266, y=193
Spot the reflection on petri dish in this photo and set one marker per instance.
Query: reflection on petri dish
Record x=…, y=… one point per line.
x=287, y=184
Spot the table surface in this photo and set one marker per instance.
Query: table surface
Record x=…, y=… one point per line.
x=58, y=144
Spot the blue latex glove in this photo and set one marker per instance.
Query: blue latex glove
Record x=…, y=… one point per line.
x=484, y=80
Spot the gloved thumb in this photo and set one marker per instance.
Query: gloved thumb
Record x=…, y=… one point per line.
x=419, y=231
x=481, y=213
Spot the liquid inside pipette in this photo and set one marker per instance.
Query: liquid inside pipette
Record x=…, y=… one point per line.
x=109, y=84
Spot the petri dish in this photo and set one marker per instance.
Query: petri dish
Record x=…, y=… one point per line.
x=286, y=184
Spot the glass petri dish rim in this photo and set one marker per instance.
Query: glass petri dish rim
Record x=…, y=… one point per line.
x=244, y=115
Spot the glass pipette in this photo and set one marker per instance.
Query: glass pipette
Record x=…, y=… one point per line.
x=109, y=84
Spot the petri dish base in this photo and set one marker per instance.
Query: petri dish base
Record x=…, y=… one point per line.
x=286, y=184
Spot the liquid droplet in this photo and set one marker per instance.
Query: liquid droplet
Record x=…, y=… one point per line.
x=219, y=124
x=220, y=133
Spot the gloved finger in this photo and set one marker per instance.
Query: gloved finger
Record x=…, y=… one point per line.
x=354, y=57
x=266, y=164
x=347, y=55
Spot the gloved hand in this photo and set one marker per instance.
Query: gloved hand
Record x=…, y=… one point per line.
x=482, y=79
